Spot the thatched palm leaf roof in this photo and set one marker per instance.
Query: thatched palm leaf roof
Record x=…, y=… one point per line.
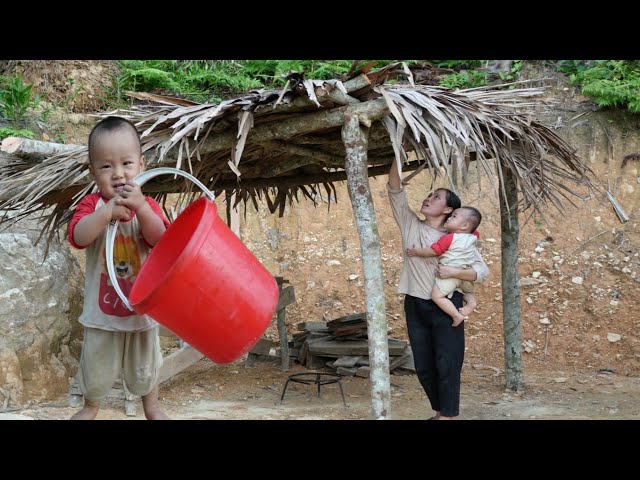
x=286, y=145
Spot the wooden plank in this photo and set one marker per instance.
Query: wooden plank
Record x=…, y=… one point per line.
x=312, y=337
x=178, y=361
x=314, y=362
x=358, y=336
x=399, y=360
x=313, y=326
x=350, y=330
x=348, y=361
x=298, y=340
x=352, y=347
x=355, y=318
x=402, y=371
x=408, y=364
x=363, y=372
x=294, y=351
x=287, y=297
x=251, y=360
x=262, y=347
x=346, y=372
x=262, y=351
x=304, y=350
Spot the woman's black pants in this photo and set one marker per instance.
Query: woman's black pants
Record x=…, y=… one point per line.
x=438, y=351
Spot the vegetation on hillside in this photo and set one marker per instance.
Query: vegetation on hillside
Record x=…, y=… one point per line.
x=609, y=83
x=214, y=80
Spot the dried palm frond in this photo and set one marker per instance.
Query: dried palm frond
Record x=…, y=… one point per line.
x=280, y=146
x=445, y=126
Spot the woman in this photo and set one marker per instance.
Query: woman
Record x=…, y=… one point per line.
x=438, y=347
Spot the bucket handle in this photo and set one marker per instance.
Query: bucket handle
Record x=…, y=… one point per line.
x=141, y=179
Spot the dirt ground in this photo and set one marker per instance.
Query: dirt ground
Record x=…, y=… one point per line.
x=233, y=392
x=579, y=273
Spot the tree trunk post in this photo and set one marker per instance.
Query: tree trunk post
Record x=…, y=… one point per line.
x=510, y=282
x=355, y=140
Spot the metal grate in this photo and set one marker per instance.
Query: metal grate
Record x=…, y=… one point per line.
x=317, y=379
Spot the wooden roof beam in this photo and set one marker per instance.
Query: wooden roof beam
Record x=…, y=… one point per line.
x=368, y=112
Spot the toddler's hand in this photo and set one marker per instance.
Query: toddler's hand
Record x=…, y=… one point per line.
x=131, y=196
x=119, y=212
x=443, y=271
x=413, y=251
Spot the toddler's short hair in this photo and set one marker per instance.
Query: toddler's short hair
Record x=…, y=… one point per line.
x=111, y=124
x=473, y=216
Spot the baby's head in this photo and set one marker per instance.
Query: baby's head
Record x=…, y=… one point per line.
x=463, y=220
x=115, y=154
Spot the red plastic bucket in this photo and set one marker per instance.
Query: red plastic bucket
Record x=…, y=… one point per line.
x=202, y=283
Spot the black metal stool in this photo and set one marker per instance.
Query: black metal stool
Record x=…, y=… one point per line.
x=318, y=379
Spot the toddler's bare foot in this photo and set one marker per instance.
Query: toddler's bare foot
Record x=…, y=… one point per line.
x=458, y=319
x=154, y=413
x=88, y=412
x=467, y=310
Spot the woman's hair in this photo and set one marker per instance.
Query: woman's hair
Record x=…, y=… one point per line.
x=453, y=200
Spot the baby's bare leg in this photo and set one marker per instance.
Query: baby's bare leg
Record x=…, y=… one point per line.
x=151, y=407
x=470, y=304
x=88, y=412
x=446, y=306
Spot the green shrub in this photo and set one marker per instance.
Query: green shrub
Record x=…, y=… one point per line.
x=611, y=83
x=14, y=132
x=465, y=79
x=15, y=99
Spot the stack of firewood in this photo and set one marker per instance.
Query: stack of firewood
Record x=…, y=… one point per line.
x=342, y=345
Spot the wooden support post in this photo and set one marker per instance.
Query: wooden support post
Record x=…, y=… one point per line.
x=287, y=297
x=355, y=141
x=284, y=343
x=510, y=281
